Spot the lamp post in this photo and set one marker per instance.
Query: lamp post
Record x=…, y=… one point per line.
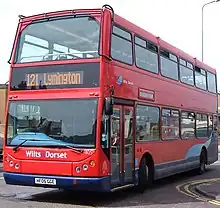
x=203, y=18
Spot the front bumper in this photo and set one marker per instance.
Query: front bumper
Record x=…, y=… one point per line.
x=75, y=183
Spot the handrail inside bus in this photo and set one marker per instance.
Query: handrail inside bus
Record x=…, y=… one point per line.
x=58, y=54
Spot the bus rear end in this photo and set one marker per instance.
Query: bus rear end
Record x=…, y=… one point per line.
x=55, y=103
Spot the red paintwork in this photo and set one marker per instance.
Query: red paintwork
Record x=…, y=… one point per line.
x=167, y=93
x=186, y=97
x=56, y=166
x=65, y=167
x=54, y=94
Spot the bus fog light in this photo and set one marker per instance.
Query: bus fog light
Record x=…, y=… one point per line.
x=16, y=166
x=85, y=167
x=77, y=169
x=11, y=163
x=7, y=159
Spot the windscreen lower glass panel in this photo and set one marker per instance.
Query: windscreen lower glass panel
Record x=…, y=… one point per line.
x=52, y=123
x=59, y=39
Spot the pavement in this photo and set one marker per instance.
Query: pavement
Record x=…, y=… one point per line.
x=210, y=190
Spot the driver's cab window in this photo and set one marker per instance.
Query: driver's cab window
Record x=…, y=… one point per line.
x=105, y=131
x=115, y=127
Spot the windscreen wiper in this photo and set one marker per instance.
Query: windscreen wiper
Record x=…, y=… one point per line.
x=39, y=140
x=26, y=140
x=72, y=148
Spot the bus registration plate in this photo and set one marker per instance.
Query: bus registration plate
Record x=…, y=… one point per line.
x=46, y=181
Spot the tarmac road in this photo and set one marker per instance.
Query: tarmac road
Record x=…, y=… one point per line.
x=170, y=192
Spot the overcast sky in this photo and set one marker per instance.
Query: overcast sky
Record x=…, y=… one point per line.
x=176, y=21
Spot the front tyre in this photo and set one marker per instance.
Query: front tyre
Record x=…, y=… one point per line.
x=144, y=173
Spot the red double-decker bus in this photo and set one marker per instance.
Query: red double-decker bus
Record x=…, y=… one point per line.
x=97, y=103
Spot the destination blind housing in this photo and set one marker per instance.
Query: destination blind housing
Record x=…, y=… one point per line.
x=83, y=75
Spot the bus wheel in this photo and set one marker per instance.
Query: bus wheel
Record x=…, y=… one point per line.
x=202, y=166
x=144, y=179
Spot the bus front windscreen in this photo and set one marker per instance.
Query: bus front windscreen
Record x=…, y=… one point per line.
x=59, y=39
x=53, y=123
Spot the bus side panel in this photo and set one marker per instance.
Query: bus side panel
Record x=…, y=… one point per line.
x=191, y=160
x=171, y=157
x=212, y=150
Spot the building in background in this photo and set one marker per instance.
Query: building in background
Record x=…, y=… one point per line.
x=3, y=101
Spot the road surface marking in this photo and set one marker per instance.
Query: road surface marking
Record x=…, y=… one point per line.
x=185, y=189
x=215, y=202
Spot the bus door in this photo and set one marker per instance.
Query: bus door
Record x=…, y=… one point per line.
x=122, y=148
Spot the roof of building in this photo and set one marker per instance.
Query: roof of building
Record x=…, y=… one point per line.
x=3, y=86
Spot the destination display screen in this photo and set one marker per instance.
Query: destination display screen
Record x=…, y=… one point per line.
x=85, y=75
x=54, y=78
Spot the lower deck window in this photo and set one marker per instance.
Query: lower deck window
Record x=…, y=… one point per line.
x=188, y=125
x=201, y=125
x=170, y=124
x=147, y=123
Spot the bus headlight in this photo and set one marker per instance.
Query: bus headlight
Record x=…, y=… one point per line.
x=16, y=166
x=78, y=169
x=85, y=167
x=11, y=163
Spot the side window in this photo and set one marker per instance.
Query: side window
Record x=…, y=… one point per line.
x=169, y=65
x=201, y=125
x=121, y=45
x=211, y=82
x=146, y=55
x=200, y=78
x=186, y=72
x=188, y=125
x=215, y=122
x=170, y=124
x=147, y=123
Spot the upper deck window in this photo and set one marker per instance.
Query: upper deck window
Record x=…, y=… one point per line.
x=59, y=39
x=169, y=65
x=200, y=78
x=146, y=55
x=121, y=45
x=186, y=72
x=211, y=82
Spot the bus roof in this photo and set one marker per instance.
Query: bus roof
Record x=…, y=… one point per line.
x=58, y=13
x=129, y=26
